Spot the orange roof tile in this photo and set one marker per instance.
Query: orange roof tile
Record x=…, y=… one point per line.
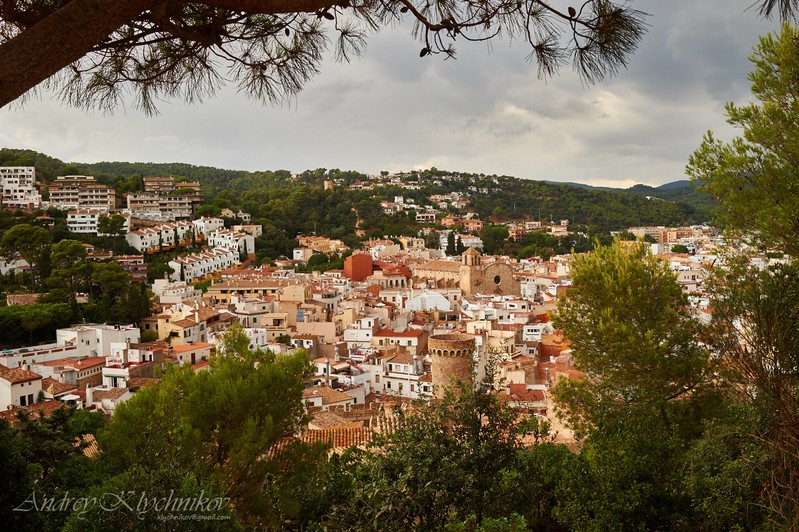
x=18, y=375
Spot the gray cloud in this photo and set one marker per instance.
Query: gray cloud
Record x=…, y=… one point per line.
x=487, y=111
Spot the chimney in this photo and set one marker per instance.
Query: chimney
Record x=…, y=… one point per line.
x=327, y=371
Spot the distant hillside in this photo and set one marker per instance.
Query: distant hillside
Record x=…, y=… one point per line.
x=679, y=192
x=579, y=185
x=503, y=198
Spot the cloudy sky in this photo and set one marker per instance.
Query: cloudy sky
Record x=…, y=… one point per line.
x=485, y=112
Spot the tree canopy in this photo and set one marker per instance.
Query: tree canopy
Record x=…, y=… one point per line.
x=92, y=51
x=754, y=176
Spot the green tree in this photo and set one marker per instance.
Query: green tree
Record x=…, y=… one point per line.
x=224, y=426
x=754, y=176
x=70, y=267
x=447, y=461
x=649, y=386
x=432, y=240
x=679, y=248
x=459, y=247
x=494, y=237
x=32, y=244
x=755, y=320
x=111, y=280
x=625, y=318
x=113, y=225
x=159, y=48
x=451, y=248
x=54, y=464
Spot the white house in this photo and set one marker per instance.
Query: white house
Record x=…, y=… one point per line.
x=18, y=184
x=232, y=239
x=164, y=236
x=360, y=333
x=204, y=264
x=18, y=387
x=85, y=221
x=206, y=226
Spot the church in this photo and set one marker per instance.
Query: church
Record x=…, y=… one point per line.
x=470, y=275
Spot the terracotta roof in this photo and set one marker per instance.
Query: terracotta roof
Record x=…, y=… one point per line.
x=83, y=363
x=402, y=358
x=90, y=446
x=141, y=382
x=201, y=364
x=520, y=392
x=328, y=395
x=185, y=323
x=440, y=265
x=22, y=299
x=18, y=375
x=205, y=313
x=407, y=333
x=55, y=387
x=190, y=347
x=339, y=437
x=112, y=393
x=43, y=409
x=558, y=369
x=329, y=420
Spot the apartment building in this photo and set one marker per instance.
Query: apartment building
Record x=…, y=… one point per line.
x=85, y=220
x=232, y=239
x=198, y=266
x=167, y=185
x=81, y=192
x=19, y=187
x=152, y=206
x=164, y=236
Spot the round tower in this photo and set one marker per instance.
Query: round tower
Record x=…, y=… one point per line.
x=452, y=356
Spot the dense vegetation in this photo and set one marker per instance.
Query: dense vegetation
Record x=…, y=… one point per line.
x=280, y=201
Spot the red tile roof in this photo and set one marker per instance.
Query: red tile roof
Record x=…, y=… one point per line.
x=43, y=409
x=90, y=446
x=55, y=387
x=18, y=375
x=407, y=333
x=83, y=363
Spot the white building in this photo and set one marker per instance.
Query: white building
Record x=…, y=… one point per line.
x=206, y=226
x=85, y=220
x=255, y=230
x=174, y=292
x=13, y=265
x=95, y=339
x=198, y=266
x=18, y=387
x=232, y=239
x=360, y=333
x=164, y=236
x=81, y=192
x=19, y=187
x=151, y=206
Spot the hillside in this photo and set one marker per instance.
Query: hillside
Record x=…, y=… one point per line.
x=281, y=199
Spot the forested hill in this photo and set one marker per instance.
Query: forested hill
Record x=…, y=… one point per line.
x=276, y=195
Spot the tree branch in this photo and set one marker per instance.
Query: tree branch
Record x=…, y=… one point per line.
x=60, y=39
x=71, y=32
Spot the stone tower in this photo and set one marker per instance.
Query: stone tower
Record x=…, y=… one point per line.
x=452, y=356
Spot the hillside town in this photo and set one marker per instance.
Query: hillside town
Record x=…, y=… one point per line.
x=393, y=326
x=588, y=322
